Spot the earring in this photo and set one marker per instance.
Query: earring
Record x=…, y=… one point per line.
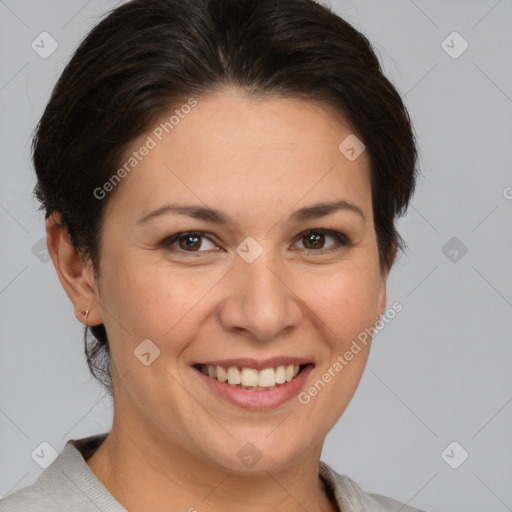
x=86, y=314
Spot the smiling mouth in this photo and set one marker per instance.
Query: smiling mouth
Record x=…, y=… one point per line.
x=251, y=379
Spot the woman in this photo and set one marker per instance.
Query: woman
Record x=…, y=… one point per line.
x=221, y=180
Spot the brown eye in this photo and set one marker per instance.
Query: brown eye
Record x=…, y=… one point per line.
x=188, y=242
x=315, y=240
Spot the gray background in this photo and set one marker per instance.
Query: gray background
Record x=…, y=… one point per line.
x=438, y=373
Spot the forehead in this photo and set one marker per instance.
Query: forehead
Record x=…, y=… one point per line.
x=235, y=151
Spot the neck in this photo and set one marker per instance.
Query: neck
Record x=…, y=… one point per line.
x=146, y=473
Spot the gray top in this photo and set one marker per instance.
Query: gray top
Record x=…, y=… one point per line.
x=68, y=484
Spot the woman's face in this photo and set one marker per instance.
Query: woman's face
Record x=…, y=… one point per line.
x=255, y=292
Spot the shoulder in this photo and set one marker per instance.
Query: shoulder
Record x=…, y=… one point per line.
x=67, y=484
x=391, y=505
x=352, y=498
x=42, y=496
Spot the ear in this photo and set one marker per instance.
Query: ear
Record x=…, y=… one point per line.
x=384, y=272
x=381, y=300
x=75, y=275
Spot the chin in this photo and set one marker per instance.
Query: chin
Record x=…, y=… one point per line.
x=257, y=454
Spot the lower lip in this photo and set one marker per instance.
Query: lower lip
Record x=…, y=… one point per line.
x=258, y=400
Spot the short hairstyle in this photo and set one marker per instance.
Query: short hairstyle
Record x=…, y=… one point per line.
x=148, y=56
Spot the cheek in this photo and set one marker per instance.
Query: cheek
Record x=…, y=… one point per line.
x=345, y=304
x=154, y=301
x=347, y=299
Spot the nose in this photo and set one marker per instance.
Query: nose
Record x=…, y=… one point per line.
x=260, y=302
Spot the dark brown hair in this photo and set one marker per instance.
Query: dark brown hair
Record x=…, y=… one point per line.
x=147, y=56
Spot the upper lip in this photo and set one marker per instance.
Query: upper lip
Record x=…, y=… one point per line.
x=257, y=364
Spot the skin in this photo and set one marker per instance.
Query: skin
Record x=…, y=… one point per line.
x=174, y=444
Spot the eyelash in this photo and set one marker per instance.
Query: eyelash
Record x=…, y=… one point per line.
x=342, y=241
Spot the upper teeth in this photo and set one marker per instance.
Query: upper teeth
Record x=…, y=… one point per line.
x=265, y=378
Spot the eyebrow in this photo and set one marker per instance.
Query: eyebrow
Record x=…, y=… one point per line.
x=313, y=211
